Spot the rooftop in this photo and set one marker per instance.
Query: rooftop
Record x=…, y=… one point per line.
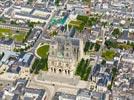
x=6, y=42
x=62, y=95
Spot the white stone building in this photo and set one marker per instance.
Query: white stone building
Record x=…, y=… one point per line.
x=7, y=45
x=63, y=55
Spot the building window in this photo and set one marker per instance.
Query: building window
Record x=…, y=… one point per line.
x=68, y=71
x=52, y=52
x=67, y=54
x=65, y=71
x=67, y=65
x=74, y=50
x=60, y=71
x=52, y=62
x=59, y=63
x=51, y=69
x=54, y=70
x=67, y=44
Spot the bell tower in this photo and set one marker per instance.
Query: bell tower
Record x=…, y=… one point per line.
x=67, y=48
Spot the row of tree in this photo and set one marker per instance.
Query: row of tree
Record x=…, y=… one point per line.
x=89, y=46
x=39, y=64
x=83, y=69
x=114, y=44
x=1, y=55
x=114, y=74
x=88, y=21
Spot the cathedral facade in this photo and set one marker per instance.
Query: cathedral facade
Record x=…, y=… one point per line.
x=64, y=53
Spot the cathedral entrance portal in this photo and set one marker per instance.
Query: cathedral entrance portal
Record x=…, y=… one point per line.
x=60, y=71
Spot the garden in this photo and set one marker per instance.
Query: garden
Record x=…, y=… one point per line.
x=83, y=21
x=18, y=36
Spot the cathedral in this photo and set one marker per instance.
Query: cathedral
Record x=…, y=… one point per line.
x=64, y=53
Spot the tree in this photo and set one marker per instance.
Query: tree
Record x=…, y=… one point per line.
x=30, y=1
x=39, y=64
x=87, y=1
x=88, y=71
x=87, y=45
x=128, y=43
x=103, y=62
x=35, y=64
x=109, y=54
x=114, y=71
x=97, y=47
x=116, y=32
x=57, y=2
x=89, y=23
x=104, y=24
x=111, y=43
x=79, y=67
x=1, y=55
x=2, y=20
x=28, y=33
x=92, y=21
x=91, y=46
x=124, y=46
x=132, y=44
x=109, y=87
x=13, y=22
x=31, y=24
x=83, y=69
x=54, y=33
x=83, y=18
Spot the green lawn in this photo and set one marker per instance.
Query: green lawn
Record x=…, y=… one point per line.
x=78, y=24
x=18, y=37
x=109, y=54
x=43, y=51
x=4, y=32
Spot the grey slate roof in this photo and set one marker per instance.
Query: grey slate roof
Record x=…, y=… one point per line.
x=63, y=95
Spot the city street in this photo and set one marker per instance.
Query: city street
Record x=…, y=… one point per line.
x=98, y=54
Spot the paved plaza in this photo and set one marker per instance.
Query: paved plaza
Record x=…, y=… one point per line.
x=50, y=77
